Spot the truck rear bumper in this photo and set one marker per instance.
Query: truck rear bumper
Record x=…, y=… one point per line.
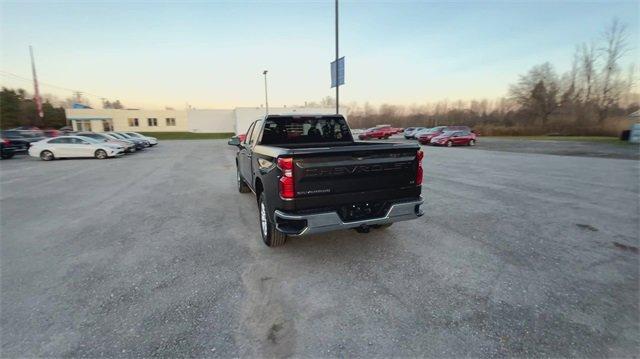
x=298, y=225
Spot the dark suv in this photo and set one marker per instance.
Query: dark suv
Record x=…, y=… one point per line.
x=21, y=140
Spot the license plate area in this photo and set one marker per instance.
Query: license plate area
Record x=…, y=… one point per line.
x=363, y=210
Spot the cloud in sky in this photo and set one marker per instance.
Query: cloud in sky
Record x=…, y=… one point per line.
x=211, y=55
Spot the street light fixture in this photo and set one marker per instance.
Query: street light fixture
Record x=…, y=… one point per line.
x=266, y=96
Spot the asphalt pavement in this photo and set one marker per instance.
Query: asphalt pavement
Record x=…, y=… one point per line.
x=157, y=254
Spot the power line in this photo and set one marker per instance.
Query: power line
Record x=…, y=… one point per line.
x=18, y=77
x=24, y=78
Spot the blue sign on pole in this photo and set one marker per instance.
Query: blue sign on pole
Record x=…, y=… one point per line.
x=337, y=75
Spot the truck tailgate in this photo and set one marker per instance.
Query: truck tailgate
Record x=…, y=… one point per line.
x=354, y=170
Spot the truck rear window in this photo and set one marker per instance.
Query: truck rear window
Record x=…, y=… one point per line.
x=287, y=130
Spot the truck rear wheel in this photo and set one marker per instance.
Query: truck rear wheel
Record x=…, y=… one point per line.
x=270, y=235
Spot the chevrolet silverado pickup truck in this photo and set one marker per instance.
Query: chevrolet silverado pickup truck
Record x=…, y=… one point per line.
x=310, y=176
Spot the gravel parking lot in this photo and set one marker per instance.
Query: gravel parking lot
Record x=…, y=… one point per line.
x=157, y=254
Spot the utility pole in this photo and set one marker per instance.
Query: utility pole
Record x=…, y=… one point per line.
x=266, y=96
x=337, y=55
x=36, y=89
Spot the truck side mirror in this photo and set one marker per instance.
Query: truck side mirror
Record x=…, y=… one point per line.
x=234, y=141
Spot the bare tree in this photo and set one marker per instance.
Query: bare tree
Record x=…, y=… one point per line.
x=571, y=93
x=368, y=110
x=537, y=91
x=117, y=105
x=630, y=84
x=328, y=101
x=615, y=38
x=588, y=58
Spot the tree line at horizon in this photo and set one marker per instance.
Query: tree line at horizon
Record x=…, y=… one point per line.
x=593, y=98
x=17, y=108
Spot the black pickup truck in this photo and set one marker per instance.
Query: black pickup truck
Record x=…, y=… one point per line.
x=310, y=176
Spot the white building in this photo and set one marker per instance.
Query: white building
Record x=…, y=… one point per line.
x=212, y=121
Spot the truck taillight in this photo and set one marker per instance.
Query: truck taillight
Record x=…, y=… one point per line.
x=286, y=181
x=419, y=173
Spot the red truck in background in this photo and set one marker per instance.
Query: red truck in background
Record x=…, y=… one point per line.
x=379, y=132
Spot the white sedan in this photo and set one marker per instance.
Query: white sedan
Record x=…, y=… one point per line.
x=73, y=146
x=152, y=140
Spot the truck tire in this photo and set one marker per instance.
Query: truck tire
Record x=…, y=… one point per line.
x=242, y=186
x=7, y=155
x=270, y=235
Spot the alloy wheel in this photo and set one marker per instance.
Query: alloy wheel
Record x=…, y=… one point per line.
x=101, y=154
x=46, y=156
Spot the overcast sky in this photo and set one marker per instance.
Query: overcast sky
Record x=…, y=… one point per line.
x=211, y=54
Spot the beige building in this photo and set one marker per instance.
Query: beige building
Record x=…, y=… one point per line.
x=103, y=120
x=211, y=121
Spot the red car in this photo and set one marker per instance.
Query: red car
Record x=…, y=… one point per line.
x=425, y=136
x=377, y=132
x=455, y=138
x=51, y=133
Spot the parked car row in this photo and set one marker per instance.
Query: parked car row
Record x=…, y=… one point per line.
x=437, y=136
x=81, y=144
x=18, y=140
x=442, y=135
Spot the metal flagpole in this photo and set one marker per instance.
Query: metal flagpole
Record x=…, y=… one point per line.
x=266, y=96
x=337, y=54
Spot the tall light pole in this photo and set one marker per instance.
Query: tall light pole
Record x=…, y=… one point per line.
x=337, y=55
x=266, y=94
